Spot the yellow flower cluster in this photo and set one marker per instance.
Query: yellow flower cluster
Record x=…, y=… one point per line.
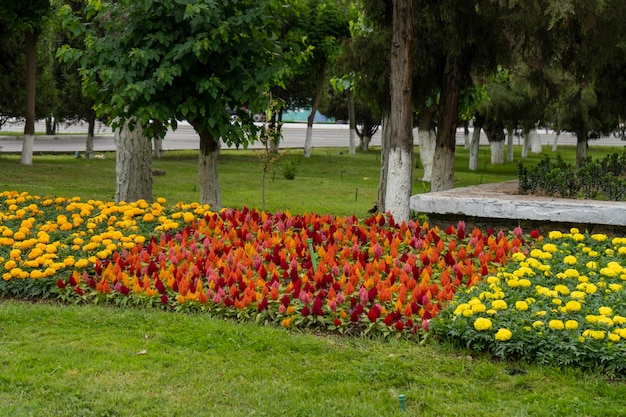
x=40, y=237
x=559, y=287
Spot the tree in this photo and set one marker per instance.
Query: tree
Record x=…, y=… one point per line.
x=27, y=18
x=323, y=25
x=399, y=175
x=162, y=61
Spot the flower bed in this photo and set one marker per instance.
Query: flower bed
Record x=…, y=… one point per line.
x=562, y=303
x=370, y=277
x=364, y=277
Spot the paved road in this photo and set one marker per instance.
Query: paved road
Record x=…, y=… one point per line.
x=324, y=135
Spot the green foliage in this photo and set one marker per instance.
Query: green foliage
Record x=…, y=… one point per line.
x=604, y=178
x=290, y=168
x=165, y=60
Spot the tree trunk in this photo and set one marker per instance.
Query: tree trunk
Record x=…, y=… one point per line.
x=91, y=128
x=443, y=165
x=427, y=142
x=400, y=163
x=31, y=72
x=466, y=136
x=526, y=143
x=556, y=140
x=509, y=144
x=352, y=121
x=385, y=138
x=133, y=164
x=582, y=147
x=473, y=148
x=308, y=142
x=496, y=137
x=207, y=170
x=535, y=142
x=157, y=147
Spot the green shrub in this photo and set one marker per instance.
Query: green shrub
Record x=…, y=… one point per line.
x=599, y=179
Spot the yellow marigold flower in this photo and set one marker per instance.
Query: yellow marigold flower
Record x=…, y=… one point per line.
x=537, y=324
x=571, y=325
x=622, y=333
x=482, y=323
x=518, y=257
x=591, y=289
x=493, y=280
x=15, y=254
x=479, y=308
x=555, y=234
x=605, y=311
x=540, y=313
x=161, y=200
x=148, y=217
x=572, y=306
x=561, y=289
x=578, y=237
x=593, y=253
x=614, y=337
x=499, y=305
x=524, y=282
x=619, y=320
x=570, y=260
x=574, y=230
x=609, y=252
x=599, y=237
x=571, y=273
x=467, y=313
x=591, y=318
x=592, y=265
x=557, y=301
x=556, y=324
x=550, y=247
x=536, y=253
x=521, y=305
x=502, y=335
x=491, y=312
x=608, y=272
x=597, y=334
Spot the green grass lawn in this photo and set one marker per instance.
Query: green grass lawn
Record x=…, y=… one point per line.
x=103, y=361
x=330, y=181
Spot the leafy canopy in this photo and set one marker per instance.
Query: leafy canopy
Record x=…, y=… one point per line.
x=168, y=60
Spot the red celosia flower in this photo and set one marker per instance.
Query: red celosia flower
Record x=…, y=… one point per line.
x=79, y=291
x=399, y=326
x=305, y=311
x=317, y=307
x=60, y=283
x=164, y=299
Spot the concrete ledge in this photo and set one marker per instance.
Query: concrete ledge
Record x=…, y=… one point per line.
x=500, y=201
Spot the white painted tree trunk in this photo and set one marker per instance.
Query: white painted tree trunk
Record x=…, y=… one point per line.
x=497, y=152
x=443, y=170
x=473, y=148
x=427, y=141
x=509, y=144
x=308, y=142
x=27, y=150
x=365, y=143
x=526, y=144
x=157, y=147
x=535, y=142
x=352, y=149
x=89, y=146
x=556, y=140
x=399, y=177
x=133, y=164
x=352, y=121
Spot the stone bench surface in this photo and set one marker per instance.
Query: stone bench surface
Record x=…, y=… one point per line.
x=502, y=201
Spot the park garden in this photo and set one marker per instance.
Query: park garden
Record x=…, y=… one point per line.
x=514, y=307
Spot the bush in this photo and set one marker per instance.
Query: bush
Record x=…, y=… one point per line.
x=600, y=179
